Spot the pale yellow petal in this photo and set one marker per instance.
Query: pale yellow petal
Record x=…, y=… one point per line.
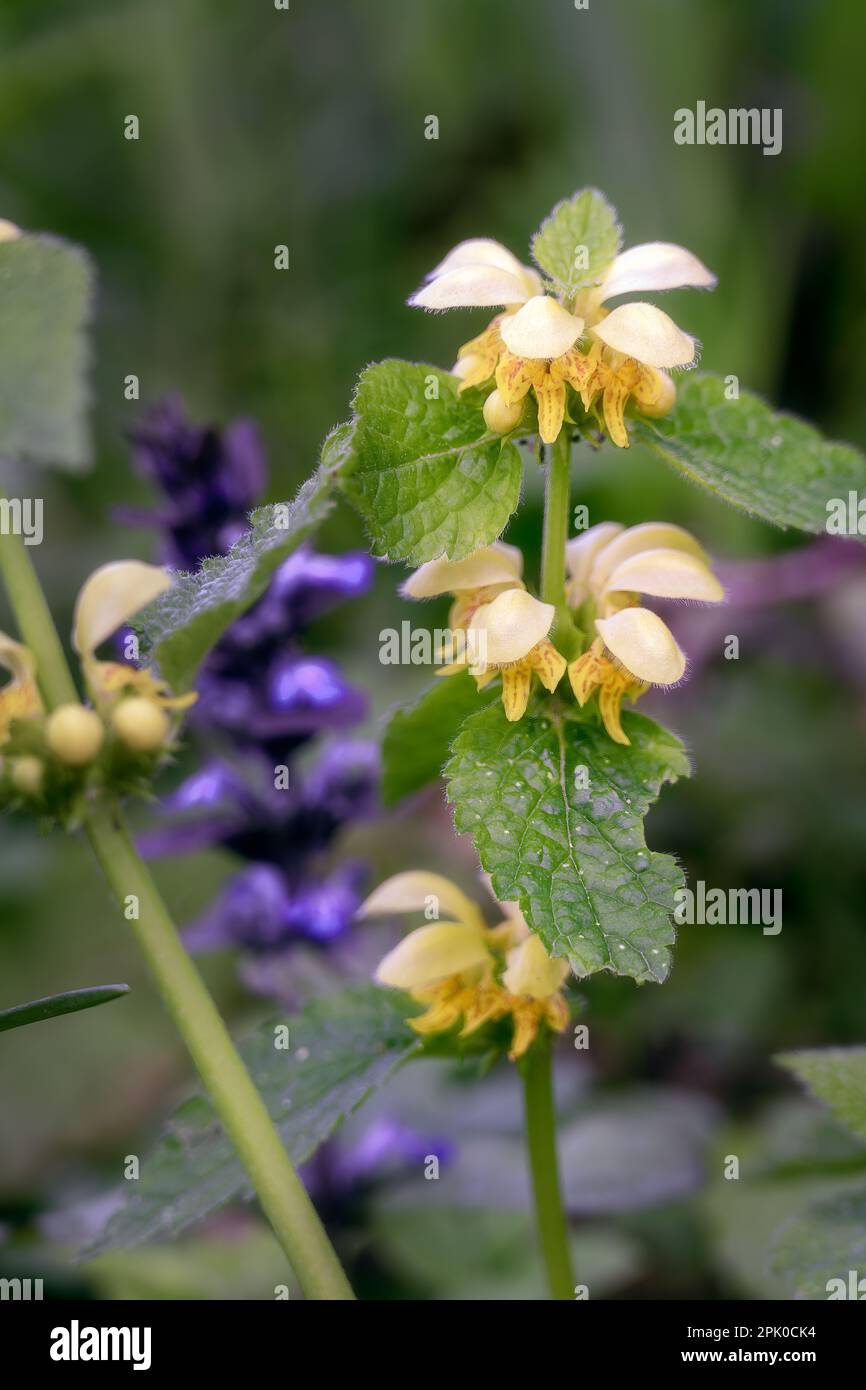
x=110, y=597
x=667, y=574
x=433, y=953
x=516, y=685
x=8, y=230
x=548, y=664
x=510, y=626
x=655, y=265
x=480, y=250
x=471, y=287
x=647, y=334
x=580, y=555
x=550, y=395
x=492, y=564
x=644, y=645
x=541, y=328
x=649, y=535
x=17, y=659
x=531, y=971
x=412, y=892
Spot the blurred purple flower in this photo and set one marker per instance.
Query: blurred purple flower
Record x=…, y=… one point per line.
x=263, y=697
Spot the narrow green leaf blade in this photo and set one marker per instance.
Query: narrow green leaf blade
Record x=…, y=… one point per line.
x=761, y=461
x=836, y=1076
x=71, y=1001
x=816, y=1252
x=573, y=856
x=418, y=737
x=45, y=298
x=426, y=475
x=179, y=628
x=341, y=1049
x=576, y=244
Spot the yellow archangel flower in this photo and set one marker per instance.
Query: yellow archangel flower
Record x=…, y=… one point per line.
x=463, y=972
x=19, y=698
x=482, y=576
x=112, y=595
x=609, y=569
x=533, y=344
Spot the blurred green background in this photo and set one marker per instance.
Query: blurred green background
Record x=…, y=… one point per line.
x=261, y=127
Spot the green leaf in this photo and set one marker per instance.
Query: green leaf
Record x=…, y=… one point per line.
x=836, y=1076
x=45, y=296
x=584, y=223
x=70, y=1002
x=574, y=857
x=179, y=628
x=418, y=737
x=826, y=1243
x=764, y=462
x=427, y=476
x=341, y=1049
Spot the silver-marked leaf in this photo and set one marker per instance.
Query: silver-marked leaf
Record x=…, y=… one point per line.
x=556, y=810
x=340, y=1049
x=45, y=297
x=762, y=461
x=576, y=244
x=821, y=1254
x=425, y=473
x=179, y=628
x=836, y=1076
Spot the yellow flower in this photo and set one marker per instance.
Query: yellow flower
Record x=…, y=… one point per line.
x=19, y=698
x=533, y=345
x=609, y=569
x=476, y=580
x=112, y=595
x=508, y=637
x=463, y=972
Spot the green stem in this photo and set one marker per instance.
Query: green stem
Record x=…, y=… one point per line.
x=556, y=492
x=550, y=1216
x=239, y=1105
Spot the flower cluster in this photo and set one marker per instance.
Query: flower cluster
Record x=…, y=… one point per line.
x=263, y=698
x=545, y=344
x=463, y=972
x=504, y=631
x=52, y=762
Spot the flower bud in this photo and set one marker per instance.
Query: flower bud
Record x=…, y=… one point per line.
x=74, y=734
x=499, y=416
x=28, y=774
x=141, y=724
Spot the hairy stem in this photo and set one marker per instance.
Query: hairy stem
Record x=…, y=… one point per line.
x=556, y=492
x=280, y=1191
x=537, y=1071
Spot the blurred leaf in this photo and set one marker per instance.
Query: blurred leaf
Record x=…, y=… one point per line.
x=70, y=1002
x=586, y=220
x=827, y=1242
x=766, y=463
x=242, y=1266
x=419, y=737
x=426, y=475
x=179, y=628
x=45, y=295
x=835, y=1075
x=340, y=1050
x=575, y=858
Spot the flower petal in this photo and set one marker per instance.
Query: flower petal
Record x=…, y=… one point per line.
x=492, y=564
x=110, y=597
x=531, y=970
x=655, y=265
x=542, y=328
x=580, y=555
x=433, y=953
x=507, y=629
x=649, y=535
x=17, y=659
x=471, y=287
x=644, y=645
x=516, y=687
x=412, y=891
x=647, y=334
x=480, y=250
x=8, y=230
x=667, y=574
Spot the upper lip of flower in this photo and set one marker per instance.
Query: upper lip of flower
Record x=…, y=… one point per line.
x=507, y=628
x=478, y=273
x=498, y=563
